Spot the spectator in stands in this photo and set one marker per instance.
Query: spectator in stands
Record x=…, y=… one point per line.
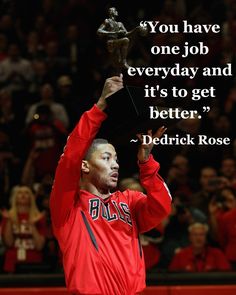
x=199, y=257
x=24, y=230
x=47, y=98
x=45, y=30
x=176, y=230
x=7, y=115
x=40, y=78
x=51, y=249
x=202, y=198
x=68, y=97
x=71, y=49
x=34, y=49
x=8, y=28
x=228, y=170
x=48, y=9
x=178, y=178
x=15, y=71
x=47, y=137
x=9, y=167
x=227, y=226
x=57, y=65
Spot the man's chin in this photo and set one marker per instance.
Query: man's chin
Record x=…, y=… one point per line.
x=113, y=185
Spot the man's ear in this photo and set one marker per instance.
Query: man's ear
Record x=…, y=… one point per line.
x=85, y=166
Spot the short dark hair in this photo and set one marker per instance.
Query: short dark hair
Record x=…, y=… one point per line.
x=96, y=142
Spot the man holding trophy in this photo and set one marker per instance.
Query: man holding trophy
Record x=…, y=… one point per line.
x=98, y=227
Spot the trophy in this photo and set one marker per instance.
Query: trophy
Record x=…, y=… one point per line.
x=117, y=40
x=128, y=110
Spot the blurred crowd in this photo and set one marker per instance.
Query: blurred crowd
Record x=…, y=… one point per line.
x=52, y=68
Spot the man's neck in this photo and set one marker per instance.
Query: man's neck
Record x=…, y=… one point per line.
x=101, y=193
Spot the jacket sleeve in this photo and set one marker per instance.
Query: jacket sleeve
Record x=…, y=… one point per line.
x=66, y=182
x=152, y=208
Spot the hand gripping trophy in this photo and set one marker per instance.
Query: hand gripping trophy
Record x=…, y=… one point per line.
x=117, y=39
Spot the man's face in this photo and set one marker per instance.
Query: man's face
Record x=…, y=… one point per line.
x=197, y=237
x=103, y=168
x=207, y=174
x=181, y=163
x=228, y=168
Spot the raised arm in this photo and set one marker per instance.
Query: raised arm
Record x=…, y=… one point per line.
x=66, y=182
x=151, y=209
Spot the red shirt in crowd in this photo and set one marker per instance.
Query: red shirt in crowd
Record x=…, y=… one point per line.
x=99, y=238
x=211, y=259
x=227, y=234
x=150, y=248
x=48, y=139
x=23, y=250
